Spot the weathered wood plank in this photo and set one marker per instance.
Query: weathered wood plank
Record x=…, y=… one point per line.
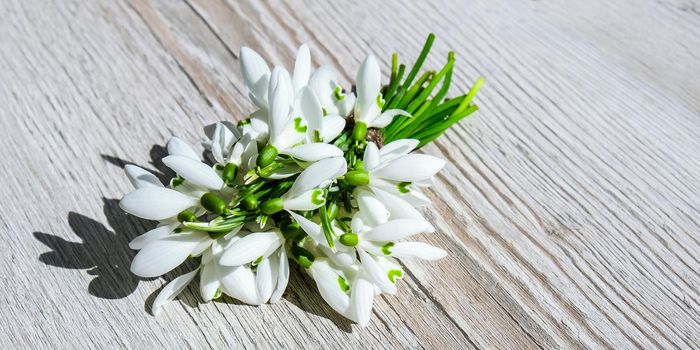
x=570, y=207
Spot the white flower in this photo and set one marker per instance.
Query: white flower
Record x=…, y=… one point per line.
x=347, y=291
x=307, y=191
x=319, y=130
x=172, y=290
x=333, y=100
x=266, y=250
x=396, y=170
x=238, y=281
x=369, y=102
x=151, y=200
x=160, y=256
x=258, y=79
x=284, y=131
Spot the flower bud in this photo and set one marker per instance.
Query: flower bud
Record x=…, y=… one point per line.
x=250, y=202
x=302, y=256
x=213, y=203
x=272, y=206
x=359, y=132
x=349, y=239
x=186, y=216
x=357, y=177
x=228, y=174
x=267, y=155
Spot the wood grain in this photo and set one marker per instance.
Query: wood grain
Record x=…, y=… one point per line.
x=570, y=207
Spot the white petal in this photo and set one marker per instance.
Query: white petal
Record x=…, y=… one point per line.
x=317, y=174
x=417, y=250
x=371, y=156
x=414, y=197
x=209, y=282
x=312, y=152
x=172, y=290
x=397, y=207
x=239, y=283
x=376, y=273
x=345, y=105
x=327, y=279
x=397, y=229
x=343, y=255
x=311, y=111
x=286, y=171
x=251, y=247
x=265, y=279
x=163, y=255
x=309, y=200
x=141, y=178
x=302, y=67
x=150, y=236
x=398, y=148
x=333, y=125
x=256, y=75
x=249, y=154
x=362, y=299
x=258, y=127
x=155, y=203
x=410, y=168
x=373, y=211
x=282, y=276
x=358, y=225
x=279, y=105
x=194, y=171
x=385, y=118
x=368, y=85
x=311, y=228
x=177, y=147
x=322, y=81
x=221, y=142
x=201, y=247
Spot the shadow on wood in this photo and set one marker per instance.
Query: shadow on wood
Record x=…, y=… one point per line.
x=104, y=253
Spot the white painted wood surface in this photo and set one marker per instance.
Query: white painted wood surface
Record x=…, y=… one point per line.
x=570, y=208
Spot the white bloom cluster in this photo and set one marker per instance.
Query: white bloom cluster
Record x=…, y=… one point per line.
x=300, y=179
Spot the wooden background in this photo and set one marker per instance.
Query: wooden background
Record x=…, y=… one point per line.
x=570, y=206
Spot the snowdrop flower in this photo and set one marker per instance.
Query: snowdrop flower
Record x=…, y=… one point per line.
x=239, y=282
x=348, y=291
x=232, y=275
x=307, y=191
x=284, y=132
x=368, y=105
x=333, y=100
x=396, y=170
x=141, y=178
x=160, y=256
x=152, y=200
x=234, y=155
x=372, y=243
x=344, y=256
x=319, y=130
x=258, y=79
x=172, y=290
x=266, y=251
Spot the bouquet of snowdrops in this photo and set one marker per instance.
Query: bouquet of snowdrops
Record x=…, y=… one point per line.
x=321, y=175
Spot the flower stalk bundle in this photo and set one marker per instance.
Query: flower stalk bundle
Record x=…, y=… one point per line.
x=320, y=175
